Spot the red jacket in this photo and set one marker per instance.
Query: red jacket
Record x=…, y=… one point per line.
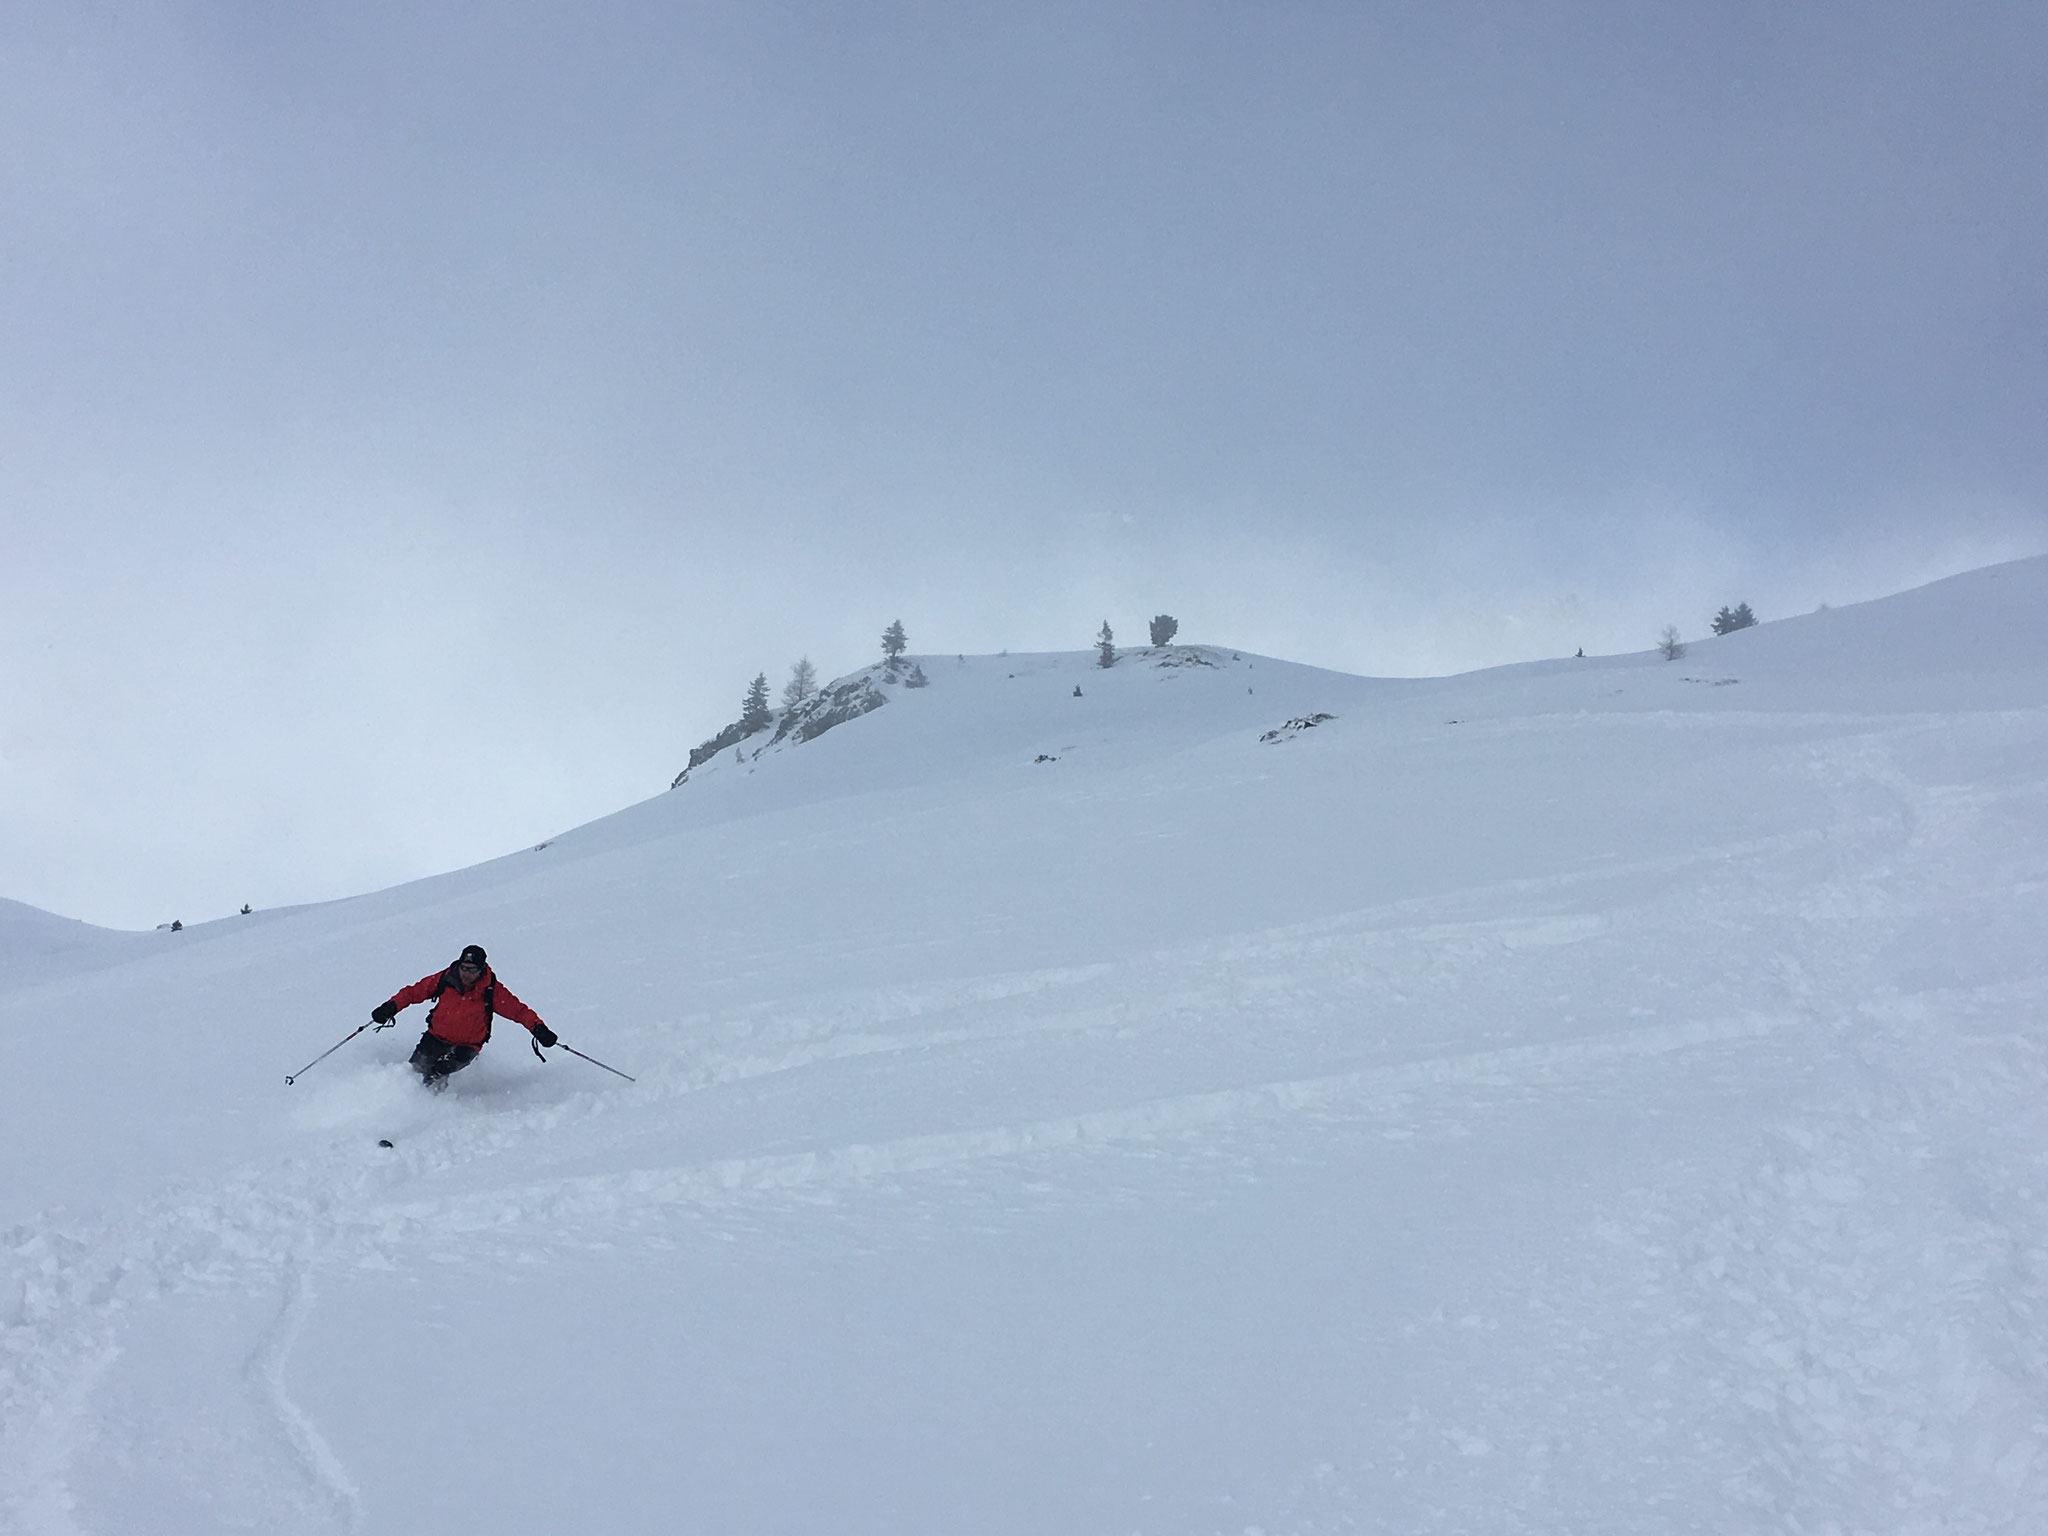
x=460, y=1017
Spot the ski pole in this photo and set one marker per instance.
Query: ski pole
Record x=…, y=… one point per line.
x=615, y=1072
x=344, y=1040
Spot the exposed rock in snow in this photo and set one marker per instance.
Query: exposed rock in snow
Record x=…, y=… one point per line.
x=1296, y=726
x=847, y=698
x=835, y=704
x=731, y=736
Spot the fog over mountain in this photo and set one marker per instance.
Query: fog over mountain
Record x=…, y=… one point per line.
x=417, y=424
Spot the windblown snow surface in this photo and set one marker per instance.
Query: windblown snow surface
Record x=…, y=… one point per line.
x=1603, y=1095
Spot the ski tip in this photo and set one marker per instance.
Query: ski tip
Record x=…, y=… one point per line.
x=382, y=1143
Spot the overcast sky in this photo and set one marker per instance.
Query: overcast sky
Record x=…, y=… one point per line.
x=418, y=421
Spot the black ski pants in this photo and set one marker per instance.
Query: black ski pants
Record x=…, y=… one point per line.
x=434, y=1058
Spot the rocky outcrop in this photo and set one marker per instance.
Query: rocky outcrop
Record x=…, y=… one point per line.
x=1296, y=726
x=731, y=736
x=835, y=704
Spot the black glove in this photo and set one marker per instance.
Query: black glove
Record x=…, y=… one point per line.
x=383, y=1013
x=542, y=1035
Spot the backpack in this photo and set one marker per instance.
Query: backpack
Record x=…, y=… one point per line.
x=447, y=984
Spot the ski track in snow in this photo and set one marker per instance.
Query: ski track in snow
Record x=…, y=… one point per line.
x=262, y=1224
x=270, y=1227
x=322, y=1469
x=1847, y=1404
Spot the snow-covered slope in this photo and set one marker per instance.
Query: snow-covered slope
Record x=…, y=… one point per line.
x=35, y=944
x=1599, y=1095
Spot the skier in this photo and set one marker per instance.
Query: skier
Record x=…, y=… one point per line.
x=465, y=997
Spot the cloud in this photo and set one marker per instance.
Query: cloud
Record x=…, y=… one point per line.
x=575, y=366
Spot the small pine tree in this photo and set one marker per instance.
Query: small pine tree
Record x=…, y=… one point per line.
x=1164, y=627
x=1670, y=644
x=803, y=682
x=1728, y=620
x=894, y=641
x=1105, y=646
x=754, y=709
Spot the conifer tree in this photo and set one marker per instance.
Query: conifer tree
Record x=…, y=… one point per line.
x=1728, y=620
x=1105, y=646
x=894, y=641
x=803, y=682
x=754, y=710
x=1164, y=627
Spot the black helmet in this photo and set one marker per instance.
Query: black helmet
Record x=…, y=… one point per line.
x=472, y=954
